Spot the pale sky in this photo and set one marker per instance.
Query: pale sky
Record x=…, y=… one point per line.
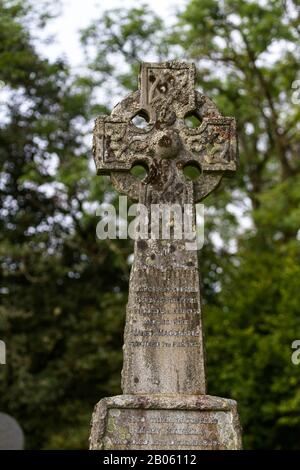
x=77, y=14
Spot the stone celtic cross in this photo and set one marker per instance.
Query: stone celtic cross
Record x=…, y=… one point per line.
x=163, y=347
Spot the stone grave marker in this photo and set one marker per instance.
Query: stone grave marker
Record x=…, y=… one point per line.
x=11, y=434
x=164, y=403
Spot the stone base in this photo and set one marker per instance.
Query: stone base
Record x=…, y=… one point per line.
x=165, y=422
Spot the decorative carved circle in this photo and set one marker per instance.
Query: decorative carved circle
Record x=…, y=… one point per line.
x=150, y=126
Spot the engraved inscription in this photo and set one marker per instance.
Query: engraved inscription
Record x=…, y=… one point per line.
x=166, y=429
x=173, y=315
x=163, y=323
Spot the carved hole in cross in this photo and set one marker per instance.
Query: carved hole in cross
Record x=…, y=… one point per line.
x=192, y=120
x=192, y=171
x=162, y=88
x=141, y=119
x=139, y=170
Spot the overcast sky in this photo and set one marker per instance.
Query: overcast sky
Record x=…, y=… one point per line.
x=77, y=14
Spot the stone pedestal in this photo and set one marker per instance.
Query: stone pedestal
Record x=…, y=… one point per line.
x=165, y=422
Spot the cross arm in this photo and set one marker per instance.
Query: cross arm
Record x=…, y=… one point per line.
x=213, y=145
x=118, y=145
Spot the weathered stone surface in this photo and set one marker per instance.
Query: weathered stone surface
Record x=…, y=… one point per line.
x=11, y=434
x=163, y=341
x=165, y=422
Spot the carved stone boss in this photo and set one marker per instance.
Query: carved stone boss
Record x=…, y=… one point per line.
x=164, y=367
